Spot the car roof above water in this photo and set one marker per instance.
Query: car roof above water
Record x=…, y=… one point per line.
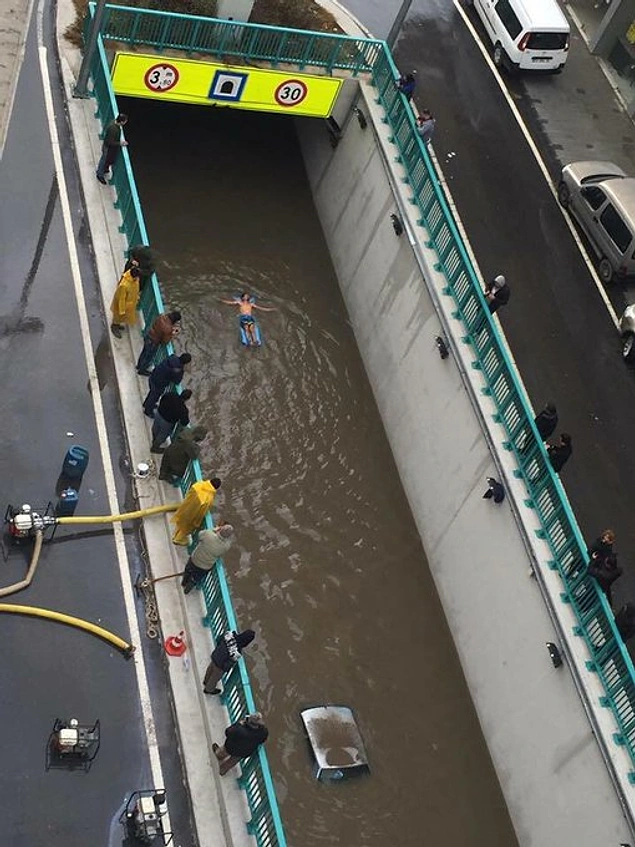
x=334, y=737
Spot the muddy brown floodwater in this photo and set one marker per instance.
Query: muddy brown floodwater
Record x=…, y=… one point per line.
x=329, y=569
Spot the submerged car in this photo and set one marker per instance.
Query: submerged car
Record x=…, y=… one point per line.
x=627, y=331
x=601, y=196
x=335, y=741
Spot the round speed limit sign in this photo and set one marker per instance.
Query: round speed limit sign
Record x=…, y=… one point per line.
x=291, y=92
x=161, y=77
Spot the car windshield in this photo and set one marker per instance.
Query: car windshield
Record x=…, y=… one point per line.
x=547, y=41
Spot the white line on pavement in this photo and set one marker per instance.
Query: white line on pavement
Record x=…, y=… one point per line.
x=122, y=556
x=539, y=160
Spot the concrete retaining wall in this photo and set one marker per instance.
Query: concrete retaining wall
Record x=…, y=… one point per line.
x=445, y=442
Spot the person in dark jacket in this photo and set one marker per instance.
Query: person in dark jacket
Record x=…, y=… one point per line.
x=602, y=547
x=163, y=329
x=546, y=421
x=559, y=453
x=144, y=258
x=605, y=573
x=242, y=739
x=407, y=84
x=625, y=621
x=184, y=449
x=167, y=373
x=497, y=293
x=172, y=411
x=113, y=141
x=226, y=653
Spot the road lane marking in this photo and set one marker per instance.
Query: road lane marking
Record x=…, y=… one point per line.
x=98, y=410
x=536, y=153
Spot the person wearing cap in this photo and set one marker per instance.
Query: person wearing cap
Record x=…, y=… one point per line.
x=226, y=653
x=406, y=84
x=163, y=330
x=497, y=293
x=167, y=373
x=242, y=739
x=124, y=302
x=211, y=545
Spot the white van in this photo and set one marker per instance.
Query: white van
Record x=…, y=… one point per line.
x=528, y=35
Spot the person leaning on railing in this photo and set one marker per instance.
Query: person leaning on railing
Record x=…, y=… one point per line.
x=163, y=329
x=212, y=544
x=242, y=740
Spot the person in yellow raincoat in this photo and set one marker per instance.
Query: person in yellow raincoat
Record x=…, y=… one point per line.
x=198, y=501
x=124, y=301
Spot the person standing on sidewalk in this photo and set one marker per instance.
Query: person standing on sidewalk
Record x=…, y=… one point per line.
x=167, y=373
x=211, y=545
x=172, y=411
x=184, y=449
x=559, y=453
x=426, y=124
x=497, y=293
x=124, y=302
x=407, y=84
x=191, y=513
x=546, y=421
x=163, y=329
x=113, y=141
x=242, y=739
x=226, y=654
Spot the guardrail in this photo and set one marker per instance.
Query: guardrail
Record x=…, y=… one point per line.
x=266, y=823
x=257, y=42
x=595, y=622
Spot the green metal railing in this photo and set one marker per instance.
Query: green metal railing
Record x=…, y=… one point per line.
x=256, y=781
x=167, y=30
x=545, y=494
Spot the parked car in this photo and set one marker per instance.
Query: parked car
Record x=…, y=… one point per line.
x=528, y=35
x=627, y=330
x=601, y=197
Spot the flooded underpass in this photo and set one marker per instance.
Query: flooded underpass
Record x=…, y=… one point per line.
x=329, y=569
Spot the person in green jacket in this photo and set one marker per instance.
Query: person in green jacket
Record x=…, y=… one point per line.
x=184, y=448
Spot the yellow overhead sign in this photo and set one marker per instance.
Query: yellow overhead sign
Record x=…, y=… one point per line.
x=209, y=84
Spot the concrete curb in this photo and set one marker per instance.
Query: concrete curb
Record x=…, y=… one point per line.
x=219, y=806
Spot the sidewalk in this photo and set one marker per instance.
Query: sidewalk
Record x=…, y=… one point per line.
x=219, y=805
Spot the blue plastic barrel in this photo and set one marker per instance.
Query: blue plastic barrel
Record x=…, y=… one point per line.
x=75, y=462
x=67, y=503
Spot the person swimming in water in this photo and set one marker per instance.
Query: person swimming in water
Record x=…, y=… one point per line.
x=247, y=320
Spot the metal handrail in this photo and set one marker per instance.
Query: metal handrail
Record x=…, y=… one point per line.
x=545, y=494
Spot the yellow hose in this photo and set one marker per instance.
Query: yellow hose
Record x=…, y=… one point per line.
x=127, y=516
x=35, y=558
x=60, y=617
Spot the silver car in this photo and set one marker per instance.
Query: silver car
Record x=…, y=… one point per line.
x=627, y=330
x=602, y=199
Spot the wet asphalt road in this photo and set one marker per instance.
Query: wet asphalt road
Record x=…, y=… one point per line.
x=49, y=671
x=564, y=342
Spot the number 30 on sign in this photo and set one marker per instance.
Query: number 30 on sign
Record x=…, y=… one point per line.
x=291, y=92
x=161, y=77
